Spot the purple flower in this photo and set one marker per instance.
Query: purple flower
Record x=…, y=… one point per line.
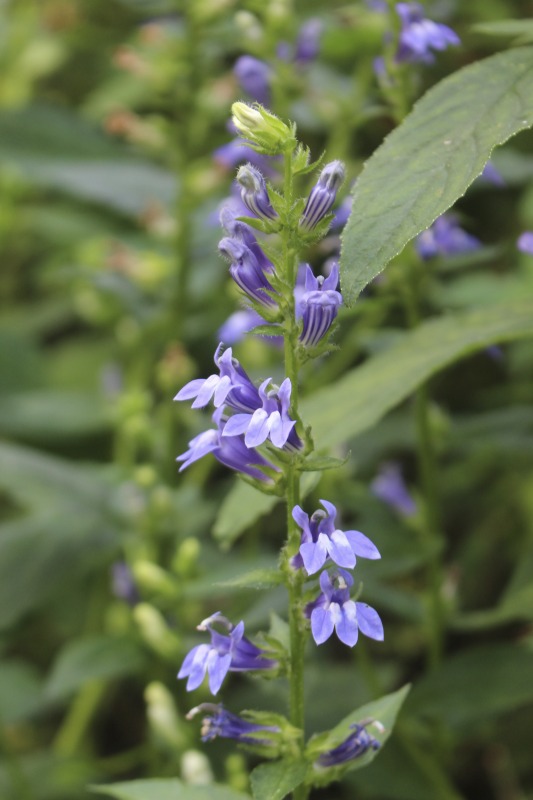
x=247, y=270
x=525, y=242
x=308, y=41
x=232, y=386
x=355, y=745
x=318, y=305
x=226, y=653
x=238, y=324
x=342, y=213
x=420, y=35
x=333, y=610
x=230, y=451
x=390, y=487
x=445, y=238
x=233, y=153
x=270, y=421
x=491, y=175
x=254, y=77
x=254, y=193
x=322, y=195
x=123, y=583
x=322, y=539
x=219, y=722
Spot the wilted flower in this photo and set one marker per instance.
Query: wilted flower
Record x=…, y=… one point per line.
x=355, y=745
x=220, y=722
x=322, y=539
x=333, y=610
x=226, y=653
x=419, y=36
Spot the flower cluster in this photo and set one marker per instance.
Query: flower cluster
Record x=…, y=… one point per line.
x=419, y=35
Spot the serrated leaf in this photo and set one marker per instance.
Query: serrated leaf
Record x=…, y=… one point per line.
x=256, y=579
x=167, y=789
x=275, y=781
x=430, y=160
x=92, y=658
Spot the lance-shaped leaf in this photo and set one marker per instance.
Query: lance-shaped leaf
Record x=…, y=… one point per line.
x=431, y=159
x=167, y=789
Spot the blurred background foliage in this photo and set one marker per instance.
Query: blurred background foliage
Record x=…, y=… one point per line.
x=112, y=292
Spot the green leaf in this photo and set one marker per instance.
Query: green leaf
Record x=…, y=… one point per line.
x=431, y=159
x=92, y=658
x=167, y=789
x=519, y=29
x=365, y=394
x=51, y=147
x=44, y=415
x=385, y=710
x=20, y=691
x=256, y=579
x=475, y=685
x=275, y=781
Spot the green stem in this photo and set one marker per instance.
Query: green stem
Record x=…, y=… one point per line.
x=293, y=578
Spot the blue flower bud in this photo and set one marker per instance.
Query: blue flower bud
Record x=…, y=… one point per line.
x=219, y=722
x=322, y=195
x=254, y=193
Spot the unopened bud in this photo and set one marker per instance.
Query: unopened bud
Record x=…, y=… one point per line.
x=265, y=132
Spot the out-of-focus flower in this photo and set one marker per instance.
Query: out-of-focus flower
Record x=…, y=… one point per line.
x=308, y=41
x=238, y=324
x=225, y=653
x=525, y=242
x=123, y=583
x=220, y=722
x=270, y=421
x=491, y=175
x=355, y=745
x=322, y=195
x=419, y=36
x=390, y=487
x=254, y=77
x=322, y=539
x=333, y=610
x=445, y=238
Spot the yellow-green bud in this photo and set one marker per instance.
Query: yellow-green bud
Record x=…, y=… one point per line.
x=163, y=716
x=196, y=769
x=155, y=631
x=265, y=132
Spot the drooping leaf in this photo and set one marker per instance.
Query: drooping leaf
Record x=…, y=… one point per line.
x=430, y=160
x=275, y=781
x=167, y=789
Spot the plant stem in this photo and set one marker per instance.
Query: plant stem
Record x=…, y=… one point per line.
x=293, y=578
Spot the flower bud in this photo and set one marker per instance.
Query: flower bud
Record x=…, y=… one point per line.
x=254, y=193
x=322, y=195
x=265, y=132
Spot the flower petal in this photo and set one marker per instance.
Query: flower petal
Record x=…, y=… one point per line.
x=314, y=554
x=369, y=622
x=258, y=428
x=361, y=545
x=322, y=624
x=206, y=392
x=217, y=668
x=340, y=550
x=346, y=626
x=237, y=425
x=190, y=389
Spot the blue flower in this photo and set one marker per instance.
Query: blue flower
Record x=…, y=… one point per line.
x=248, y=272
x=232, y=386
x=333, y=610
x=123, y=583
x=420, y=35
x=355, y=745
x=445, y=238
x=390, y=487
x=230, y=451
x=308, y=40
x=219, y=722
x=322, y=539
x=254, y=77
x=254, y=193
x=230, y=155
x=318, y=305
x=238, y=324
x=269, y=421
x=322, y=195
x=226, y=653
x=525, y=242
